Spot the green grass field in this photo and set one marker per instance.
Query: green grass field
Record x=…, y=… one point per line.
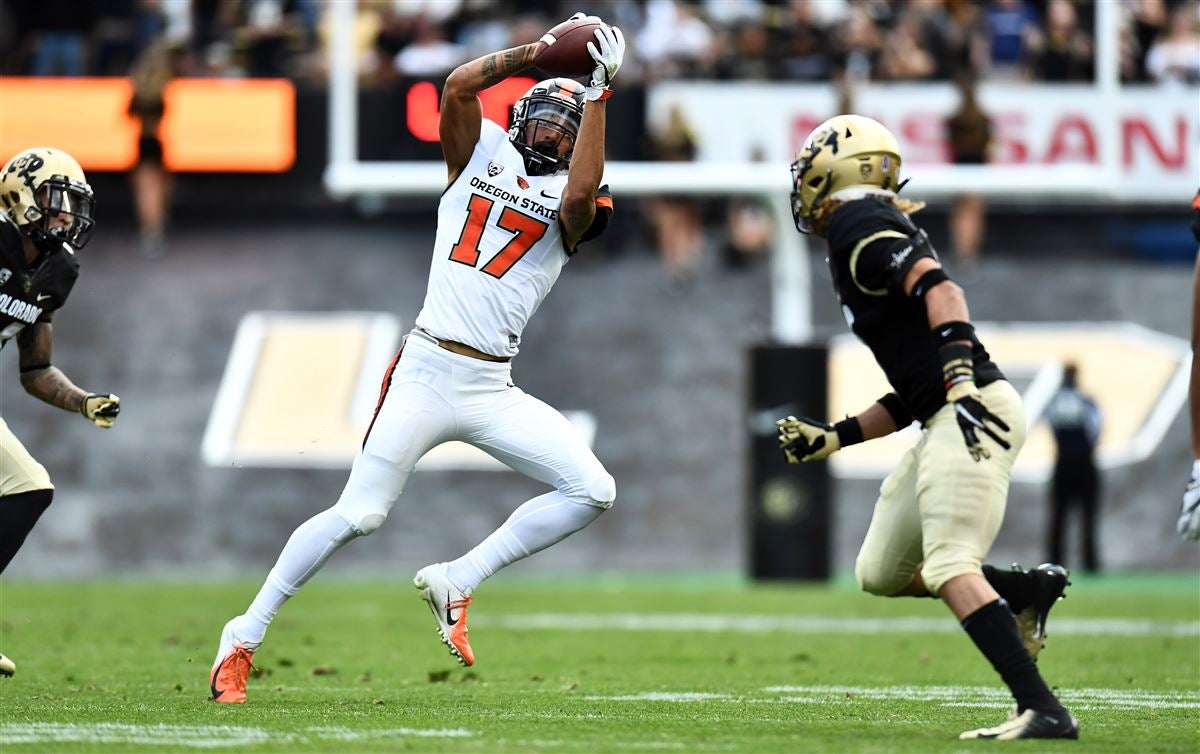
x=641, y=665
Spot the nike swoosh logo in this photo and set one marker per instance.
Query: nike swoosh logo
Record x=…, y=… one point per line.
x=213, y=683
x=548, y=196
x=449, y=620
x=43, y=296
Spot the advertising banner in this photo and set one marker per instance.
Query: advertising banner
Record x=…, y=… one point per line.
x=1156, y=129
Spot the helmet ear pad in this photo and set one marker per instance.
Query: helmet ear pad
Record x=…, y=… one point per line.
x=545, y=124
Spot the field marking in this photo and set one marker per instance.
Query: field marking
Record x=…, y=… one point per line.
x=815, y=624
x=203, y=736
x=943, y=696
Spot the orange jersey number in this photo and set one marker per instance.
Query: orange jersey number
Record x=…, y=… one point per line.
x=526, y=232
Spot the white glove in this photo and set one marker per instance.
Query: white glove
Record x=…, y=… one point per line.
x=608, y=51
x=1189, y=513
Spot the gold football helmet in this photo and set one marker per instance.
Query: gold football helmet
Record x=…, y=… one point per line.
x=45, y=192
x=846, y=152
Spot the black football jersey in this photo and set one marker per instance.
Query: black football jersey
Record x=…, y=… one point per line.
x=31, y=293
x=872, y=246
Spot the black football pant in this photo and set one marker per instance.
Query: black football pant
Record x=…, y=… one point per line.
x=18, y=514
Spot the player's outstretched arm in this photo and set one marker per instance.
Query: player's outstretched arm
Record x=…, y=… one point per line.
x=44, y=381
x=462, y=114
x=578, y=207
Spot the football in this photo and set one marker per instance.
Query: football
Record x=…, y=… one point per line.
x=565, y=50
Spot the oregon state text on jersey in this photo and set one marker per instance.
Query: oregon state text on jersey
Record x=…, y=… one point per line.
x=30, y=294
x=872, y=245
x=499, y=247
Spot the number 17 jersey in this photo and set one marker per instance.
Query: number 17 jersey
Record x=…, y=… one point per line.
x=499, y=247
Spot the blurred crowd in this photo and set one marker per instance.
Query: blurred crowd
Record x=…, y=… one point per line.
x=777, y=40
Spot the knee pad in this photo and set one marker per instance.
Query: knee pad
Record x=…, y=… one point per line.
x=370, y=492
x=602, y=491
x=879, y=581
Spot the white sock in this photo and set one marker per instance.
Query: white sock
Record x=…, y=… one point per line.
x=533, y=527
x=313, y=542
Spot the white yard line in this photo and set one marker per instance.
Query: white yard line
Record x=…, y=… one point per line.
x=202, y=736
x=815, y=624
x=943, y=696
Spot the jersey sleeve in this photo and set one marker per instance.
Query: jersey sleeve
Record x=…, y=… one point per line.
x=883, y=244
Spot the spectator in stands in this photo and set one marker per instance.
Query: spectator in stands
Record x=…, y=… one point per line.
x=1144, y=21
x=368, y=20
x=748, y=54
x=805, y=53
x=269, y=33
x=969, y=133
x=676, y=219
x=211, y=23
x=150, y=181
x=1064, y=51
x=904, y=56
x=1175, y=57
x=1075, y=420
x=61, y=28
x=963, y=46
x=429, y=53
x=858, y=44
x=1011, y=24
x=675, y=42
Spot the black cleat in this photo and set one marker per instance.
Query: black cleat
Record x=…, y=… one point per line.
x=1051, y=582
x=1031, y=723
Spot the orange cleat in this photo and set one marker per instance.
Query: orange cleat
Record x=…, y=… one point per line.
x=232, y=666
x=449, y=606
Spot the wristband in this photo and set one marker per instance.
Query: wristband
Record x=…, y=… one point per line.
x=849, y=432
x=950, y=332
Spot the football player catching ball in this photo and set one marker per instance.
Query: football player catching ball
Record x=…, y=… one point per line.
x=516, y=208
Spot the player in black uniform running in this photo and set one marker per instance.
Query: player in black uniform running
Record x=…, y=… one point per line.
x=939, y=511
x=45, y=217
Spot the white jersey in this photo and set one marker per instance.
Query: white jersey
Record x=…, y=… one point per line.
x=499, y=248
